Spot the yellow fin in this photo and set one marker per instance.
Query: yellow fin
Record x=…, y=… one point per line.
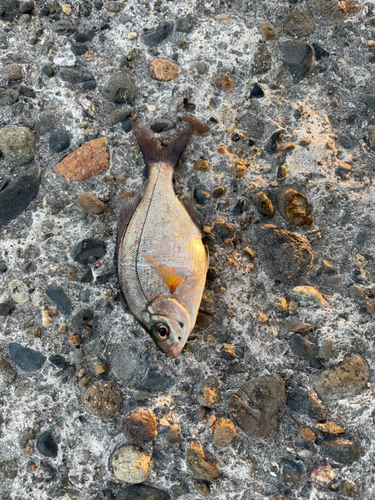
x=167, y=273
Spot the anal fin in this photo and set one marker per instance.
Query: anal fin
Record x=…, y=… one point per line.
x=123, y=221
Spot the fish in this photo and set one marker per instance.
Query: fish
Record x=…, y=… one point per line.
x=160, y=257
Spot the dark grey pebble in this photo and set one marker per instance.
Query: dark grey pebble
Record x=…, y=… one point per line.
x=290, y=472
x=212, y=274
x=3, y=266
x=58, y=296
x=340, y=450
x=93, y=348
x=182, y=24
x=256, y=92
x=47, y=444
x=299, y=58
x=201, y=195
x=45, y=122
x=88, y=36
x=82, y=317
x=155, y=380
x=126, y=126
x=57, y=360
x=105, y=26
x=74, y=75
x=85, y=295
x=125, y=18
x=78, y=49
x=262, y=60
x=59, y=140
x=272, y=143
x=302, y=348
x=141, y=492
x=158, y=35
x=63, y=27
x=47, y=69
x=98, y=4
x=6, y=308
x=101, y=37
x=27, y=92
x=87, y=277
x=239, y=208
x=119, y=89
x=16, y=109
x=90, y=85
x=108, y=308
x=44, y=12
x=120, y=115
x=17, y=195
x=307, y=403
x=8, y=96
x=319, y=51
x=105, y=277
x=26, y=7
x=361, y=238
x=28, y=360
x=161, y=125
x=346, y=142
x=85, y=9
x=89, y=251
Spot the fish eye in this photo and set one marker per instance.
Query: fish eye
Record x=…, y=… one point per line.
x=161, y=331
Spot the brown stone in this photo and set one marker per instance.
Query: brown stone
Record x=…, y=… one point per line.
x=294, y=207
x=224, y=82
x=268, y=31
x=163, y=70
x=198, y=127
x=139, y=427
x=201, y=165
x=209, y=392
x=263, y=204
x=330, y=428
x=202, y=488
x=90, y=159
x=90, y=203
x=201, y=413
x=307, y=434
x=103, y=400
x=74, y=339
x=201, y=464
x=224, y=432
x=99, y=369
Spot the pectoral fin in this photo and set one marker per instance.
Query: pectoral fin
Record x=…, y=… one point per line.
x=168, y=274
x=124, y=219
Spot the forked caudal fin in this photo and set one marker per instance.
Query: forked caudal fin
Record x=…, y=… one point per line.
x=154, y=153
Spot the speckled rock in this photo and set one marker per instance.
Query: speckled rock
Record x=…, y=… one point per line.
x=345, y=380
x=255, y=406
x=294, y=207
x=163, y=70
x=6, y=369
x=158, y=35
x=103, y=400
x=90, y=203
x=139, y=427
x=17, y=291
x=131, y=464
x=340, y=450
x=209, y=393
x=90, y=159
x=299, y=58
x=12, y=72
x=262, y=61
x=119, y=89
x=299, y=24
x=308, y=296
x=263, y=204
x=8, y=96
x=17, y=145
x=201, y=464
x=223, y=433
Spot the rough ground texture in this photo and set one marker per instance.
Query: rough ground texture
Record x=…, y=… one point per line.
x=288, y=200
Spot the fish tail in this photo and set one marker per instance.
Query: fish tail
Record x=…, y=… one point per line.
x=153, y=152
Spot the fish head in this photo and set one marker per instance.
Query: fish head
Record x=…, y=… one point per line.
x=169, y=325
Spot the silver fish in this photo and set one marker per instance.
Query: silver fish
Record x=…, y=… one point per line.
x=161, y=260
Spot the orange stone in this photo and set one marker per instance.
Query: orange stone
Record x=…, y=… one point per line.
x=198, y=127
x=307, y=434
x=90, y=159
x=163, y=70
x=224, y=82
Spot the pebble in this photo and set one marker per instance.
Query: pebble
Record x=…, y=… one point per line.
x=120, y=115
x=360, y=239
x=139, y=427
x=201, y=165
x=7, y=370
x=47, y=69
x=161, y=125
x=218, y=191
x=307, y=434
x=57, y=360
x=182, y=25
x=340, y=450
x=346, y=142
x=201, y=196
x=47, y=444
x=346, y=379
x=256, y=404
x=8, y=96
x=198, y=127
x=329, y=428
x=302, y=348
x=268, y=31
x=256, y=92
x=308, y=296
x=90, y=203
x=297, y=326
x=263, y=204
x=74, y=339
x=209, y=393
x=132, y=36
x=299, y=24
x=200, y=67
x=224, y=82
x=33, y=332
x=298, y=57
x=78, y=49
x=88, y=36
x=223, y=433
x=323, y=474
x=285, y=255
x=142, y=492
x=94, y=348
x=28, y=360
x=9, y=470
x=63, y=27
x=208, y=303
x=273, y=143
x=67, y=9
x=82, y=317
x=6, y=308
x=294, y=207
x=99, y=369
x=74, y=75
x=58, y=296
x=125, y=18
x=90, y=159
x=124, y=365
x=12, y=72
x=103, y=400
x=17, y=145
x=85, y=9
x=262, y=61
x=17, y=291
x=202, y=488
x=126, y=126
x=25, y=437
x=290, y=472
x=163, y=70
x=113, y=6
x=89, y=251
x=155, y=381
x=158, y=35
x=26, y=7
x=119, y=89
x=201, y=464
x=59, y=140
x=20, y=391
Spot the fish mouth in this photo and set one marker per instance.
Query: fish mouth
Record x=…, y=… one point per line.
x=173, y=351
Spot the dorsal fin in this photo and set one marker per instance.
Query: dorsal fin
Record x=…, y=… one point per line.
x=168, y=274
